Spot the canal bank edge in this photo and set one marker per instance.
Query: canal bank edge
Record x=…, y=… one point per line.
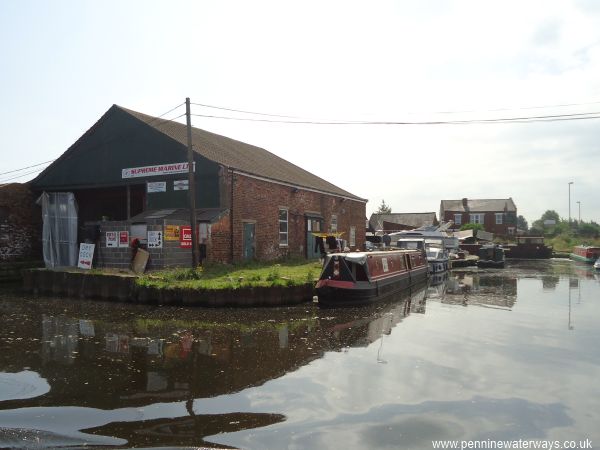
x=123, y=288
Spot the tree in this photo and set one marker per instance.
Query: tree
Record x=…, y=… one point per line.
x=586, y=229
x=383, y=208
x=522, y=223
x=472, y=226
x=550, y=215
x=560, y=226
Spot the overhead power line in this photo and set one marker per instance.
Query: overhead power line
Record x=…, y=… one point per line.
x=560, y=105
x=523, y=119
x=172, y=109
x=28, y=167
x=248, y=112
x=20, y=176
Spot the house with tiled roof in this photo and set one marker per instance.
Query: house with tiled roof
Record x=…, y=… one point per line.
x=131, y=168
x=498, y=216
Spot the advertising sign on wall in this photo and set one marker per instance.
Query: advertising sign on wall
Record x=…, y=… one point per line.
x=150, y=171
x=123, y=238
x=155, y=239
x=185, y=237
x=180, y=185
x=112, y=239
x=157, y=186
x=171, y=233
x=86, y=254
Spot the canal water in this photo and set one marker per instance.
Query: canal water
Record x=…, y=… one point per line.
x=477, y=355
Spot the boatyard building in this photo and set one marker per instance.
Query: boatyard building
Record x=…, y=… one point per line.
x=128, y=177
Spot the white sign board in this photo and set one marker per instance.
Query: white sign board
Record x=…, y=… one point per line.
x=112, y=239
x=157, y=186
x=549, y=222
x=155, y=239
x=180, y=185
x=150, y=171
x=86, y=254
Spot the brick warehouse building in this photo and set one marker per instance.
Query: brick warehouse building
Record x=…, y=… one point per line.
x=128, y=174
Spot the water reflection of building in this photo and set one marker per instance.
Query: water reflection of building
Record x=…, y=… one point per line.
x=60, y=337
x=481, y=289
x=549, y=282
x=110, y=362
x=373, y=321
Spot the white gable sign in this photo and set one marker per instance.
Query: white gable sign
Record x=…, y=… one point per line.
x=149, y=171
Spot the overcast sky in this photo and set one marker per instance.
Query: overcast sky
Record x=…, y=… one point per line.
x=64, y=63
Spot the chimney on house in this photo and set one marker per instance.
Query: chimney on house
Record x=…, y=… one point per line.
x=465, y=203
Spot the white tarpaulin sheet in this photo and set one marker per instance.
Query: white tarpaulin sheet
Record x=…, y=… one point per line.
x=59, y=233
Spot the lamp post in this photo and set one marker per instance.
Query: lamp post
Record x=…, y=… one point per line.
x=570, y=183
x=579, y=206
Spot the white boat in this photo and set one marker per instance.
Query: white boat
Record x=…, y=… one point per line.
x=433, y=234
x=436, y=242
x=437, y=257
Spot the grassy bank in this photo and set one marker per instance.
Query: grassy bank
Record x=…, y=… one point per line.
x=566, y=242
x=221, y=276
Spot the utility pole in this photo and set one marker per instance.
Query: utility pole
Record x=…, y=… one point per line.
x=579, y=205
x=570, y=183
x=191, y=186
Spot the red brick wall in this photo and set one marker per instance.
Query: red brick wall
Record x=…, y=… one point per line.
x=219, y=245
x=489, y=222
x=259, y=201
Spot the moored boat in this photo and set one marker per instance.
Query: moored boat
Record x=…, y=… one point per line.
x=585, y=253
x=437, y=258
x=361, y=277
x=528, y=247
x=435, y=249
x=491, y=255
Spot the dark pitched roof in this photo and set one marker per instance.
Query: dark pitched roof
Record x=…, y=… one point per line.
x=479, y=205
x=410, y=219
x=242, y=157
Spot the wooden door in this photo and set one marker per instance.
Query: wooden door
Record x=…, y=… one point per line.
x=249, y=240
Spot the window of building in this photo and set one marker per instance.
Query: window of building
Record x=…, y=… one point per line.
x=3, y=214
x=499, y=217
x=333, y=223
x=476, y=218
x=511, y=230
x=283, y=227
x=314, y=225
x=457, y=219
x=352, y=236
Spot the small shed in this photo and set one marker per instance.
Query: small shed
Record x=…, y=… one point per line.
x=165, y=234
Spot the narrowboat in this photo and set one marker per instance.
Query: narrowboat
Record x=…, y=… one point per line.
x=529, y=247
x=437, y=255
x=366, y=277
x=585, y=253
x=491, y=255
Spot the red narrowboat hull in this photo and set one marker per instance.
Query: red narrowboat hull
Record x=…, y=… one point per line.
x=352, y=278
x=585, y=254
